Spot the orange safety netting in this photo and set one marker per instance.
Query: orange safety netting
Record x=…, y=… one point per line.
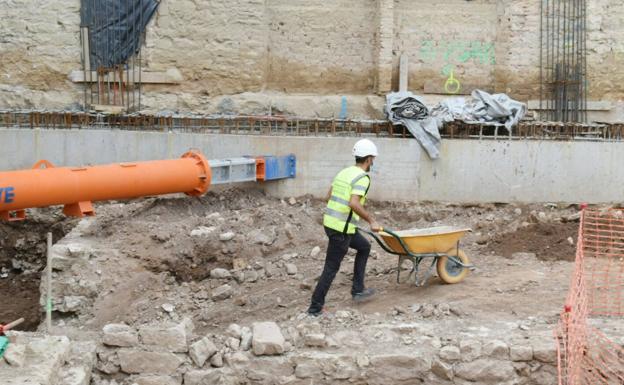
x=586, y=355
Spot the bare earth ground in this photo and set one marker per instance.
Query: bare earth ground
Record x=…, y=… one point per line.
x=145, y=256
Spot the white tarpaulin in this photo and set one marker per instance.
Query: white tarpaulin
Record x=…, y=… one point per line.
x=410, y=110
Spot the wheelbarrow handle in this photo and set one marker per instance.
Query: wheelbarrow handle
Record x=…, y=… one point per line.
x=383, y=245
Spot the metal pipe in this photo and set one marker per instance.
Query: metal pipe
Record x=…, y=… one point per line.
x=76, y=188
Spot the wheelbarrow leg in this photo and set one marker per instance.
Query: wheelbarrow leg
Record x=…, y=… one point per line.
x=402, y=259
x=429, y=272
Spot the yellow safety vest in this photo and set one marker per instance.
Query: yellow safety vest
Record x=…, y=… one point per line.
x=338, y=215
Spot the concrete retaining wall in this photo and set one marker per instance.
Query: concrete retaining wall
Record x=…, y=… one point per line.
x=468, y=170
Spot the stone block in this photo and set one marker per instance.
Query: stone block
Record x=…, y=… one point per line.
x=469, y=349
x=450, y=353
x=267, y=339
x=202, y=350
x=171, y=338
x=135, y=361
x=119, y=335
x=496, y=349
x=520, y=353
x=485, y=370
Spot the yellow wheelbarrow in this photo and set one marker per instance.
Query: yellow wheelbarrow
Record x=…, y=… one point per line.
x=441, y=244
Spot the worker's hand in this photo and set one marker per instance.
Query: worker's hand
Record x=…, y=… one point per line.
x=375, y=227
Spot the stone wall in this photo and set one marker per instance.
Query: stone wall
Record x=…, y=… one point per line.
x=276, y=48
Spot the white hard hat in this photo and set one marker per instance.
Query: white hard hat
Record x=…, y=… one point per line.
x=364, y=148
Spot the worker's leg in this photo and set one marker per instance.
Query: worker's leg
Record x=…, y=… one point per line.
x=336, y=250
x=363, y=247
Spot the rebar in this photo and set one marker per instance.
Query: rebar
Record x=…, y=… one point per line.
x=563, y=60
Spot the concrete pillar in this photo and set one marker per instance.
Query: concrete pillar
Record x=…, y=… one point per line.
x=403, y=73
x=385, y=32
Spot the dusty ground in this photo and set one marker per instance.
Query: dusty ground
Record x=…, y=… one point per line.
x=145, y=256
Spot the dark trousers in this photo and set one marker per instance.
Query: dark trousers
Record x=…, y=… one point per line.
x=337, y=248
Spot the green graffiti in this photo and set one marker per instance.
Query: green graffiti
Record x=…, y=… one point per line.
x=457, y=51
x=452, y=85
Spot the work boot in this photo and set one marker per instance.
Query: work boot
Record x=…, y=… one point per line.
x=316, y=313
x=364, y=295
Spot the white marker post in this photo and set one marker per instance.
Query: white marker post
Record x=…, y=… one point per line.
x=49, y=289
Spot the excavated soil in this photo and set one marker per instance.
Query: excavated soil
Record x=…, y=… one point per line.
x=160, y=251
x=548, y=241
x=22, y=258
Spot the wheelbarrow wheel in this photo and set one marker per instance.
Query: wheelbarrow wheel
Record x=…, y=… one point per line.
x=451, y=272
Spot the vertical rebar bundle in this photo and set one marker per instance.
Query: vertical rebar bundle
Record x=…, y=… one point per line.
x=563, y=60
x=112, y=33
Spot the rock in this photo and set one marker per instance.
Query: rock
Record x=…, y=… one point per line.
x=251, y=276
x=496, y=349
x=108, y=361
x=572, y=218
x=520, y=353
x=394, y=368
x=469, y=349
x=362, y=361
x=156, y=380
x=203, y=231
x=450, y=353
x=119, y=335
x=227, y=236
x=518, y=211
x=239, y=263
x=220, y=273
x=169, y=308
x=240, y=301
x=202, y=350
x=137, y=361
x=246, y=337
x=306, y=284
x=545, y=352
x=315, y=251
x=291, y=269
x=267, y=339
x=234, y=331
x=292, y=201
x=233, y=343
x=73, y=303
x=217, y=360
x=570, y=241
x=444, y=308
x=315, y=340
x=262, y=237
x=442, y=370
x=485, y=371
x=211, y=377
x=222, y=292
x=290, y=230
x=15, y=355
x=172, y=339
x=236, y=359
x=307, y=370
x=427, y=310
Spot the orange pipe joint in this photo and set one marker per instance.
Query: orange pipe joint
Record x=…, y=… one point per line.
x=77, y=187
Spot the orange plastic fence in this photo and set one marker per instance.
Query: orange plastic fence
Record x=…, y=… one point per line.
x=586, y=355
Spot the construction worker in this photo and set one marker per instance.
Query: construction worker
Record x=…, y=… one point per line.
x=345, y=201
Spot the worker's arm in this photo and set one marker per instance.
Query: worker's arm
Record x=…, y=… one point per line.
x=356, y=206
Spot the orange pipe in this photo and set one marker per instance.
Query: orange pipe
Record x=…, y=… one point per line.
x=77, y=187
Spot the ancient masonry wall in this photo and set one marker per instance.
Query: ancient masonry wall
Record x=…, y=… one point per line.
x=269, y=50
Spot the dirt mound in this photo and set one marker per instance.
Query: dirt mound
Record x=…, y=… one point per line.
x=549, y=241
